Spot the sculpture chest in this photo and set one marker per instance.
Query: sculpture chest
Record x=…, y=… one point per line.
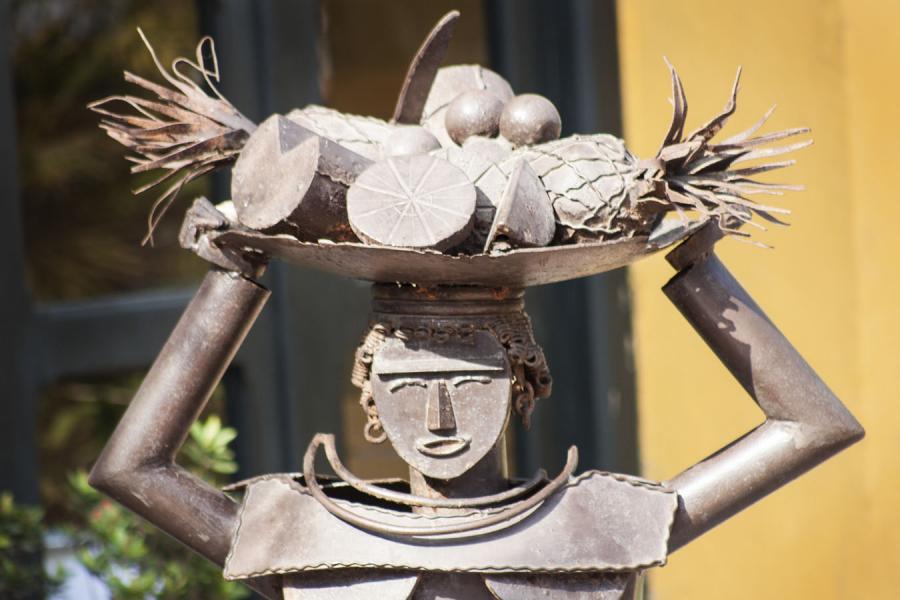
x=591, y=537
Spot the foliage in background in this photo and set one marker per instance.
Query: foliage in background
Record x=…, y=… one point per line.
x=136, y=560
x=83, y=226
x=74, y=420
x=22, y=575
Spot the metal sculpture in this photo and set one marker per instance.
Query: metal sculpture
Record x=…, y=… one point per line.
x=466, y=197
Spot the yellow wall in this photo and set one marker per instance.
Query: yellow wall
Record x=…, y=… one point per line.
x=831, y=284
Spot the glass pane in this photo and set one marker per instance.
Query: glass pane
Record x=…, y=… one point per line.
x=371, y=42
x=83, y=226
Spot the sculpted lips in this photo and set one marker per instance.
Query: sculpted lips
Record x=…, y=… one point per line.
x=442, y=446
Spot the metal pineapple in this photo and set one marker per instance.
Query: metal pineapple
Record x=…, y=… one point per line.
x=600, y=190
x=184, y=132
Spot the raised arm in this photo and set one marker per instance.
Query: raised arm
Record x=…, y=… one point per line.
x=137, y=467
x=805, y=422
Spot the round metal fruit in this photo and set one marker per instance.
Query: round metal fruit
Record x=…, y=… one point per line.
x=411, y=139
x=476, y=112
x=530, y=119
x=416, y=201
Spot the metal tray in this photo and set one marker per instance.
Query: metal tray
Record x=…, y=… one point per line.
x=516, y=268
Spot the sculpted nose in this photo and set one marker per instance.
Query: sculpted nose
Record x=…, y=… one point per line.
x=440, y=409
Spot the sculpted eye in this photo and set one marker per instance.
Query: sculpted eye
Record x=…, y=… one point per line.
x=458, y=381
x=405, y=381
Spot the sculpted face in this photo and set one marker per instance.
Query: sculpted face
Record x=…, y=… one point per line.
x=442, y=404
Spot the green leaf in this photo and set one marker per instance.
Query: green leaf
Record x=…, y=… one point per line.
x=226, y=436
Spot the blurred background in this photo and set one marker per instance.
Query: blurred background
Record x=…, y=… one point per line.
x=85, y=308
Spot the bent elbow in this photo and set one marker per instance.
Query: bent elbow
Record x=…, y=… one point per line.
x=852, y=432
x=102, y=478
x=111, y=477
x=839, y=434
x=846, y=429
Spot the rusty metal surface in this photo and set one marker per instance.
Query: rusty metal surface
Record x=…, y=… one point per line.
x=478, y=522
x=423, y=69
x=137, y=465
x=595, y=522
x=444, y=404
x=409, y=140
x=449, y=83
x=708, y=176
x=572, y=586
x=524, y=216
x=411, y=313
x=287, y=178
x=452, y=586
x=601, y=190
x=367, y=136
x=805, y=422
x=410, y=303
x=530, y=119
x=349, y=584
x=412, y=202
x=518, y=268
x=201, y=224
x=185, y=131
x=283, y=529
x=473, y=113
x=293, y=172
x=695, y=248
x=437, y=499
x=445, y=362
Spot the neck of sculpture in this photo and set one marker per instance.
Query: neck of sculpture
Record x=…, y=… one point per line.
x=489, y=476
x=466, y=303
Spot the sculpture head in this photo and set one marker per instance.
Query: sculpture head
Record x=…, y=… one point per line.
x=440, y=387
x=443, y=403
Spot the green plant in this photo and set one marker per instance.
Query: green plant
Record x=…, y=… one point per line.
x=136, y=560
x=82, y=225
x=22, y=573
